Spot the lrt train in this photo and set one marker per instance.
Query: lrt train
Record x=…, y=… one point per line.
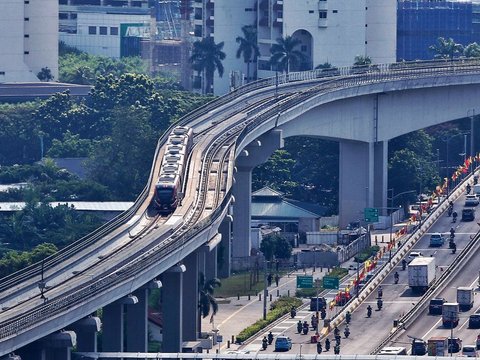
x=173, y=170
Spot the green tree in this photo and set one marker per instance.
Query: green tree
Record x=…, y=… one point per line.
x=276, y=173
x=284, y=53
x=207, y=301
x=71, y=146
x=267, y=247
x=362, y=60
x=275, y=245
x=248, y=46
x=45, y=74
x=446, y=49
x=325, y=65
x=123, y=162
x=207, y=57
x=472, y=50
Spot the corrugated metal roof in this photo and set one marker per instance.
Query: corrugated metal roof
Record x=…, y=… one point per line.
x=279, y=210
x=77, y=205
x=266, y=191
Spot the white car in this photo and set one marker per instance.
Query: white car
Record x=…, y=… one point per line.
x=469, y=350
x=471, y=200
x=414, y=255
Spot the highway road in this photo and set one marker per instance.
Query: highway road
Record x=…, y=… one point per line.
x=368, y=333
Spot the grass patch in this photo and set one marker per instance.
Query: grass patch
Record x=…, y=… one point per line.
x=279, y=308
x=244, y=283
x=338, y=272
x=366, y=254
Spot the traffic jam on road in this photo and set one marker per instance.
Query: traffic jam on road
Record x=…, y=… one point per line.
x=447, y=316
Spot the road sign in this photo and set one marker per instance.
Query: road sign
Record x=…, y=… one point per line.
x=304, y=281
x=371, y=214
x=330, y=282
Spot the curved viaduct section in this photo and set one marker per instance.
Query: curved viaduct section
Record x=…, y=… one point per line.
x=233, y=134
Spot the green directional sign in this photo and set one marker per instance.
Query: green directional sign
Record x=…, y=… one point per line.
x=330, y=282
x=304, y=281
x=370, y=214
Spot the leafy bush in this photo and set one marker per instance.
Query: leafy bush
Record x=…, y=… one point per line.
x=278, y=308
x=338, y=272
x=366, y=254
x=307, y=293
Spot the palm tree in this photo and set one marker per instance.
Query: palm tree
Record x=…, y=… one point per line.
x=362, y=60
x=472, y=50
x=207, y=301
x=207, y=57
x=284, y=53
x=323, y=66
x=248, y=46
x=446, y=48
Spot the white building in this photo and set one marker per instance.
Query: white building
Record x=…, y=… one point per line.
x=332, y=31
x=107, y=32
x=28, y=39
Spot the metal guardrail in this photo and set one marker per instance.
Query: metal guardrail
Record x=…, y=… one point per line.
x=348, y=77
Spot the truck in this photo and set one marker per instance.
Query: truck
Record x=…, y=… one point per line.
x=437, y=346
x=465, y=297
x=421, y=273
x=450, y=315
x=476, y=189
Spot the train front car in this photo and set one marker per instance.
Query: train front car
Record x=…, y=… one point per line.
x=173, y=170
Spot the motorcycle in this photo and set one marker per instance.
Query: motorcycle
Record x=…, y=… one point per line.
x=379, y=304
x=346, y=332
x=454, y=217
x=327, y=345
x=450, y=210
x=454, y=248
x=293, y=313
x=404, y=264
x=336, y=350
x=336, y=332
x=396, y=277
x=348, y=317
x=369, y=311
x=469, y=188
x=305, y=328
x=299, y=327
x=323, y=314
x=338, y=340
x=319, y=348
x=270, y=338
x=264, y=343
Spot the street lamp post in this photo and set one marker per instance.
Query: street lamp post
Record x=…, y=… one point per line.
x=447, y=141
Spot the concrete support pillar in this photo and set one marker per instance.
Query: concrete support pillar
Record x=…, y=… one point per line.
x=172, y=298
x=190, y=318
x=113, y=319
x=113, y=324
x=33, y=351
x=211, y=264
x=381, y=175
x=355, y=185
x=242, y=191
x=59, y=346
x=224, y=264
x=137, y=322
x=86, y=330
x=256, y=153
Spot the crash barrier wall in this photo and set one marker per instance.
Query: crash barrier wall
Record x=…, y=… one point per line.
x=412, y=239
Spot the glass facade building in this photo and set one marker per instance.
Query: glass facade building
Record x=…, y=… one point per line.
x=420, y=23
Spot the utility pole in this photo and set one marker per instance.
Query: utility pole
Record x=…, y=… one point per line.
x=265, y=289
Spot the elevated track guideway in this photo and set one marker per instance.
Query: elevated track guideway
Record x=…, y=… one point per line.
x=139, y=245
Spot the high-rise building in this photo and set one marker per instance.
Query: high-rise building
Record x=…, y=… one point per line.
x=29, y=39
x=332, y=31
x=420, y=23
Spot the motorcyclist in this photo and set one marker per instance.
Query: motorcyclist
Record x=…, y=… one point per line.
x=380, y=291
x=348, y=317
x=452, y=232
x=369, y=311
x=264, y=343
x=454, y=216
x=270, y=338
x=299, y=326
x=319, y=347
x=396, y=277
x=336, y=331
x=314, y=322
x=379, y=304
x=327, y=345
x=305, y=327
x=475, y=180
x=469, y=188
x=346, y=332
x=454, y=248
x=293, y=312
x=323, y=314
x=404, y=264
x=338, y=340
x=336, y=349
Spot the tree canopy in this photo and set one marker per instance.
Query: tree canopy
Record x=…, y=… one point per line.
x=285, y=53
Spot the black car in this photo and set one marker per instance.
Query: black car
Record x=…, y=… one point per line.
x=454, y=345
x=468, y=214
x=317, y=303
x=435, y=306
x=474, y=321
